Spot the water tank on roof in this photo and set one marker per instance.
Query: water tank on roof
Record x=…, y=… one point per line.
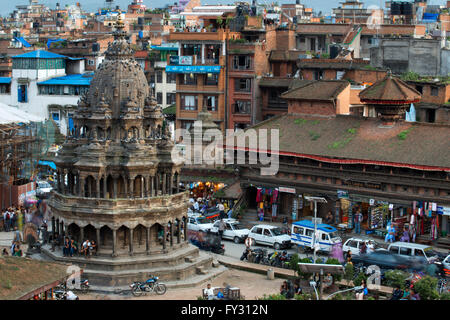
x=396, y=8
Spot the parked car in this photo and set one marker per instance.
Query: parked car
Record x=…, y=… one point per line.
x=302, y=234
x=421, y=252
x=43, y=188
x=354, y=245
x=199, y=223
x=234, y=230
x=270, y=235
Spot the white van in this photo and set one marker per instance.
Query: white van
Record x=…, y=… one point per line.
x=270, y=235
x=302, y=234
x=418, y=251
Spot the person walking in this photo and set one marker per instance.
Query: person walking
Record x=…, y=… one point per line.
x=7, y=219
x=221, y=208
x=362, y=292
x=358, y=220
x=17, y=235
x=222, y=227
x=13, y=218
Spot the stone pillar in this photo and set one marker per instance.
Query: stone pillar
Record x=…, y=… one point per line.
x=178, y=182
x=57, y=227
x=82, y=193
x=132, y=187
x=185, y=229
x=147, y=241
x=164, y=183
x=89, y=190
x=164, y=236
x=105, y=189
x=147, y=186
x=170, y=184
x=152, y=186
x=142, y=187
x=81, y=236
x=179, y=232
x=172, y=229
x=114, y=244
x=131, y=242
x=62, y=229
x=157, y=184
x=97, y=231
x=127, y=183
x=115, y=187
x=97, y=187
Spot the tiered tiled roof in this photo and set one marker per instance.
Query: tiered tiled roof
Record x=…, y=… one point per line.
x=317, y=90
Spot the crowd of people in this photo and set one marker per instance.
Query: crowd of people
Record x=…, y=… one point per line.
x=71, y=247
x=15, y=217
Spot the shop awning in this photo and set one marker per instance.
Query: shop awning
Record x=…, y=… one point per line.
x=47, y=163
x=193, y=69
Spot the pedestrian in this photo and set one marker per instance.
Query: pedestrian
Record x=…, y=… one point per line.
x=7, y=219
x=221, y=208
x=93, y=248
x=358, y=220
x=329, y=218
x=66, y=247
x=397, y=293
x=5, y=252
x=72, y=248
x=20, y=219
x=284, y=288
x=222, y=226
x=209, y=292
x=414, y=295
x=17, y=235
x=13, y=218
x=85, y=247
x=362, y=292
x=17, y=251
x=363, y=249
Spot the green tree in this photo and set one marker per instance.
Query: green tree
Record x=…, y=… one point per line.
x=394, y=278
x=349, y=272
x=334, y=261
x=427, y=288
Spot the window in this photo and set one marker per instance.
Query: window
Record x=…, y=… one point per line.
x=22, y=93
x=318, y=75
x=186, y=125
x=299, y=230
x=257, y=230
x=159, y=97
x=405, y=251
x=189, y=79
x=210, y=102
x=393, y=249
x=55, y=117
x=211, y=79
x=171, y=78
x=420, y=89
x=243, y=85
x=242, y=107
x=170, y=98
x=353, y=244
x=434, y=91
x=418, y=253
x=267, y=233
x=159, y=76
x=188, y=102
x=309, y=232
x=91, y=62
x=242, y=62
x=325, y=236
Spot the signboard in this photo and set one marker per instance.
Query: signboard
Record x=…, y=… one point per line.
x=287, y=190
x=342, y=194
x=181, y=60
x=294, y=209
x=362, y=184
x=443, y=210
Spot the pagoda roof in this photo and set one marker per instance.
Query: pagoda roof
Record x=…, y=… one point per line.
x=390, y=90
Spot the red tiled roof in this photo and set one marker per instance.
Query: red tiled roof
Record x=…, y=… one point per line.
x=284, y=55
x=352, y=140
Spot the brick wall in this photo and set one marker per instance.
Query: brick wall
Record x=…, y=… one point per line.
x=285, y=39
x=360, y=76
x=443, y=93
x=311, y=107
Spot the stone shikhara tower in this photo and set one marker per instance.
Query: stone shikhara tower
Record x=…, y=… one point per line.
x=117, y=183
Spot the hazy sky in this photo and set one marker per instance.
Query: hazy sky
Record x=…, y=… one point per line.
x=325, y=6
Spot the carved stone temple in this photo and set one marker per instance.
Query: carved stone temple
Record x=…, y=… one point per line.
x=118, y=185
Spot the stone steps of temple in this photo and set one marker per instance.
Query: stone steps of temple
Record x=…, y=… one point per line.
x=191, y=282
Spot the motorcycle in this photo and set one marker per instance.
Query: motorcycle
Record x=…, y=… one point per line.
x=84, y=286
x=245, y=254
x=151, y=285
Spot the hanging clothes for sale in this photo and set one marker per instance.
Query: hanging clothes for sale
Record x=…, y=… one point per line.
x=274, y=210
x=258, y=195
x=274, y=197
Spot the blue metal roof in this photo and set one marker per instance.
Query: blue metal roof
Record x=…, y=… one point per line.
x=72, y=79
x=41, y=54
x=47, y=163
x=5, y=80
x=165, y=47
x=193, y=69
x=23, y=41
x=309, y=224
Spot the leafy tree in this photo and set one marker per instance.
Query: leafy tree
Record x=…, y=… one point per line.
x=349, y=272
x=334, y=261
x=396, y=278
x=426, y=288
x=272, y=297
x=359, y=278
x=445, y=296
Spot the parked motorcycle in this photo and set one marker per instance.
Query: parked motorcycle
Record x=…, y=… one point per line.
x=151, y=285
x=84, y=286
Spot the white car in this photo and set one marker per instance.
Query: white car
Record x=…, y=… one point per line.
x=199, y=223
x=446, y=264
x=43, y=188
x=354, y=245
x=270, y=235
x=233, y=230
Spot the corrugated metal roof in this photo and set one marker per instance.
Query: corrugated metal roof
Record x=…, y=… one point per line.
x=41, y=54
x=72, y=79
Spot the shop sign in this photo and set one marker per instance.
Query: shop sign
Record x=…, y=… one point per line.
x=287, y=190
x=342, y=194
x=181, y=60
x=443, y=210
x=362, y=184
